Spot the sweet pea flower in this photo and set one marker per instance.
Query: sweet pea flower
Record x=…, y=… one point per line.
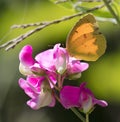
x=81, y=97
x=51, y=63
x=38, y=90
x=28, y=65
x=53, y=60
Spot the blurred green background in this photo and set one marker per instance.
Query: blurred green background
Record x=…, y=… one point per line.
x=103, y=76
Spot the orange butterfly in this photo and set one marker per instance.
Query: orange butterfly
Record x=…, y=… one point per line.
x=85, y=42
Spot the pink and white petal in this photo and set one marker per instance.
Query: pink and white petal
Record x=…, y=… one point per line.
x=53, y=78
x=35, y=81
x=87, y=105
x=100, y=102
x=22, y=83
x=84, y=66
x=43, y=99
x=45, y=59
x=30, y=92
x=61, y=58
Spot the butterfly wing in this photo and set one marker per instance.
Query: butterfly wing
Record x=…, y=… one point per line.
x=85, y=42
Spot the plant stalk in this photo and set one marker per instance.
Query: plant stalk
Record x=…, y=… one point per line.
x=78, y=114
x=111, y=11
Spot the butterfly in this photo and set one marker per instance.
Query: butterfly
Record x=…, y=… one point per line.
x=85, y=41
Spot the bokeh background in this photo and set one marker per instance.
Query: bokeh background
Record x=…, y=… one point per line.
x=103, y=76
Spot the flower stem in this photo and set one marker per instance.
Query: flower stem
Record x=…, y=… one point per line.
x=78, y=114
x=87, y=117
x=111, y=11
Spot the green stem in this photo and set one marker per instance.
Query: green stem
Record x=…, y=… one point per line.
x=87, y=117
x=78, y=114
x=111, y=11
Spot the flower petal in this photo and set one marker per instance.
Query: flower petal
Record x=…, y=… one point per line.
x=25, y=56
x=100, y=102
x=69, y=96
x=44, y=99
x=61, y=58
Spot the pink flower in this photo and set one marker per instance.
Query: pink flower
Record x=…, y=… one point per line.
x=44, y=71
x=53, y=60
x=38, y=90
x=80, y=97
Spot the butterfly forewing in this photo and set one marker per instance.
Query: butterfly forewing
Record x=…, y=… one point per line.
x=85, y=42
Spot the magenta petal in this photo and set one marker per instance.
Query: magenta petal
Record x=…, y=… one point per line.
x=35, y=81
x=53, y=78
x=101, y=102
x=30, y=92
x=27, y=89
x=69, y=96
x=25, y=56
